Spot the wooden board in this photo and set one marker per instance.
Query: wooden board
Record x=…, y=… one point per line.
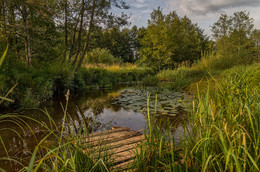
x=120, y=143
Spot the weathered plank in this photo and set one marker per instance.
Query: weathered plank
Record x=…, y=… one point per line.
x=124, y=156
x=123, y=165
x=109, y=131
x=118, y=137
x=110, y=136
x=119, y=143
x=123, y=148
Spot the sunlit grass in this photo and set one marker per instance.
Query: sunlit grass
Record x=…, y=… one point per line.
x=114, y=67
x=224, y=122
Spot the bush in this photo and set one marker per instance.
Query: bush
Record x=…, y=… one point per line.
x=62, y=76
x=150, y=80
x=29, y=99
x=179, y=77
x=101, y=56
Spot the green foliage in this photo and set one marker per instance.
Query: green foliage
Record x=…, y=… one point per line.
x=101, y=56
x=122, y=44
x=37, y=85
x=150, y=80
x=233, y=36
x=207, y=66
x=29, y=99
x=170, y=39
x=109, y=76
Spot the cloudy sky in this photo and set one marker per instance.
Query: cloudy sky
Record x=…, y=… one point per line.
x=203, y=12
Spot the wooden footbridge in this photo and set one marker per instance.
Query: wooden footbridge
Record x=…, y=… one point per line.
x=119, y=144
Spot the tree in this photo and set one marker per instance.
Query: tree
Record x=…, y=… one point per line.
x=99, y=13
x=82, y=11
x=170, y=39
x=256, y=39
x=119, y=42
x=45, y=30
x=233, y=35
x=28, y=22
x=88, y=35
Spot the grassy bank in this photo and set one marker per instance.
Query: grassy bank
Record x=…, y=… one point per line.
x=209, y=65
x=224, y=128
x=40, y=83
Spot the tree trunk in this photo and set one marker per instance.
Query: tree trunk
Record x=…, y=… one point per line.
x=4, y=17
x=66, y=31
x=88, y=36
x=13, y=26
x=80, y=30
x=26, y=35
x=73, y=40
x=16, y=48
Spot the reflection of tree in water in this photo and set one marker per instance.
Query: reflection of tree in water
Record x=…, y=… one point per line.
x=82, y=117
x=98, y=104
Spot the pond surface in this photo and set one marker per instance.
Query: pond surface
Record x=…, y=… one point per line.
x=101, y=109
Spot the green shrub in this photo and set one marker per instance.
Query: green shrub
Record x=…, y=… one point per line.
x=29, y=99
x=179, y=78
x=101, y=56
x=62, y=75
x=150, y=80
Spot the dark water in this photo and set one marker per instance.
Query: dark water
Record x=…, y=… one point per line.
x=95, y=107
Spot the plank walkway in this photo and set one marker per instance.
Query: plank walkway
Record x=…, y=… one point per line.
x=120, y=144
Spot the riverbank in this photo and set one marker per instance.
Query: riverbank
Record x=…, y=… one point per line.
x=36, y=85
x=222, y=132
x=221, y=127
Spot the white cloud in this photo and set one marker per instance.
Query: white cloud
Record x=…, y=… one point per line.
x=207, y=12
x=203, y=12
x=202, y=7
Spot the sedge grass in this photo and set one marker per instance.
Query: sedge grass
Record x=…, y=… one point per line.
x=225, y=120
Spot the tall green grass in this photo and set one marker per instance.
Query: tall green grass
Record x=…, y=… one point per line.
x=222, y=131
x=225, y=120
x=210, y=64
